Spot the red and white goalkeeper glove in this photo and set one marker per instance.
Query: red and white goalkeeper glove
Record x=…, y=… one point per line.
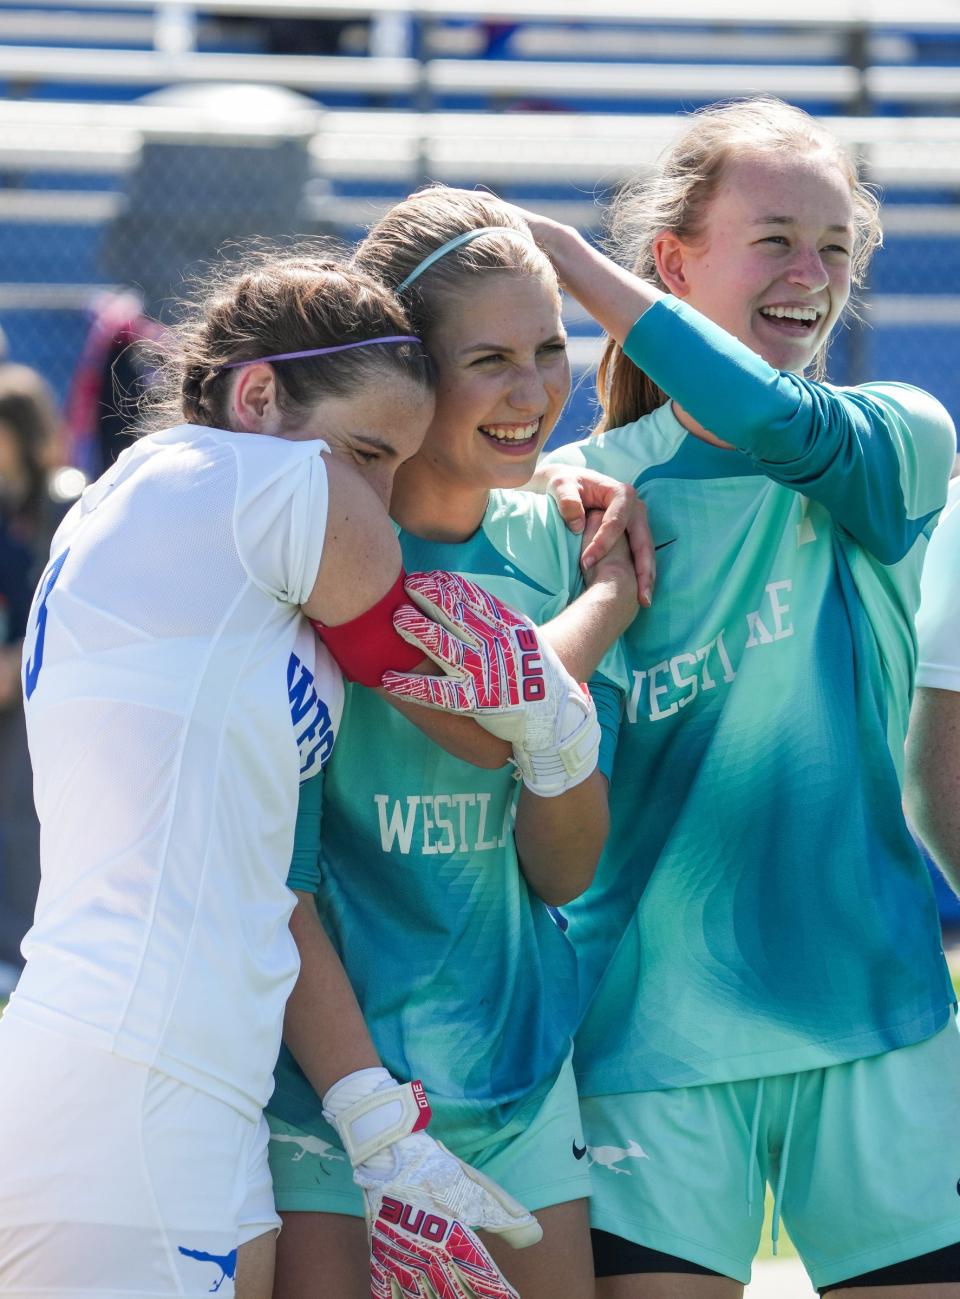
x=420, y=1200
x=503, y=674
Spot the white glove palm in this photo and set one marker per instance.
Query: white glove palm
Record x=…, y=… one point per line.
x=421, y=1202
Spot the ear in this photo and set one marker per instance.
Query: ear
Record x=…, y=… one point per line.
x=253, y=404
x=670, y=255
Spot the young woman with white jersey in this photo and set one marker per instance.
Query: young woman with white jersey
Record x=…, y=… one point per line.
x=175, y=700
x=767, y=995
x=435, y=873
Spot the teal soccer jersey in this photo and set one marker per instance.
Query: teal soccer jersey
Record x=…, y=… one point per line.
x=760, y=907
x=465, y=978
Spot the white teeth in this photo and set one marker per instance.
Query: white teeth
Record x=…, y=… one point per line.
x=515, y=434
x=791, y=313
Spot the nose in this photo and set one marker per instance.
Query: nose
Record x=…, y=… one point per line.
x=807, y=270
x=528, y=392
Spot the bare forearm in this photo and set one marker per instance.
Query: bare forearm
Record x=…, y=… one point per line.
x=613, y=296
x=323, y=1025
x=559, y=840
x=586, y=629
x=932, y=784
x=461, y=737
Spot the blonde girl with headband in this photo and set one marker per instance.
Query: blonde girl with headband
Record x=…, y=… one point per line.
x=768, y=998
x=435, y=874
x=175, y=700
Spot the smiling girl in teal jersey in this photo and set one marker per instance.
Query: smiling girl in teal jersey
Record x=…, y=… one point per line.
x=767, y=997
x=432, y=866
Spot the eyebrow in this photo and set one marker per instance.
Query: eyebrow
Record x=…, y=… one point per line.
x=788, y=221
x=502, y=347
x=375, y=444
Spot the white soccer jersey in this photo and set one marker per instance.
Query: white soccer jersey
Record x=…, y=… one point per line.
x=165, y=662
x=938, y=619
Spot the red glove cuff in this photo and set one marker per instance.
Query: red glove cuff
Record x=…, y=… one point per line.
x=370, y=645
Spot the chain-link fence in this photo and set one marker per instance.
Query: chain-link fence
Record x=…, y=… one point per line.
x=142, y=211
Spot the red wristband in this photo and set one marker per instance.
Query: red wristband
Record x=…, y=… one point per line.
x=370, y=645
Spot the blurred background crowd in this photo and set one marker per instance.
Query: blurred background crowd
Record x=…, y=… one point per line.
x=137, y=137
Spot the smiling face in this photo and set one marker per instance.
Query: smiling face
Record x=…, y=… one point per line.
x=772, y=263
x=502, y=378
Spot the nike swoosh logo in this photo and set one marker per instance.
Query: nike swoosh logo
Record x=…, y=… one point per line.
x=579, y=1151
x=665, y=543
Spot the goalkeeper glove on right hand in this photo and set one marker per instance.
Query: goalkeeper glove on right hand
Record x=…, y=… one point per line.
x=421, y=1202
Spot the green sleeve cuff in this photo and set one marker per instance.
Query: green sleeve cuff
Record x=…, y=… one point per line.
x=608, y=700
x=304, y=874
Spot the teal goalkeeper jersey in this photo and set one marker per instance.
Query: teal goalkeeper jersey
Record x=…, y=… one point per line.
x=761, y=907
x=464, y=976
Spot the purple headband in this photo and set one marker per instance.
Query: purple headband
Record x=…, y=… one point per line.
x=322, y=351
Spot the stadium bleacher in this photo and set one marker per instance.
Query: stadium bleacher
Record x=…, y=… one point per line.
x=569, y=110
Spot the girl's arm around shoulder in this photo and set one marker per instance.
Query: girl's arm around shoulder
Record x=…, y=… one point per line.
x=360, y=563
x=361, y=557
x=878, y=456
x=584, y=632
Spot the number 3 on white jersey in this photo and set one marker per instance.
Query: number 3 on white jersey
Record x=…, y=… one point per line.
x=34, y=661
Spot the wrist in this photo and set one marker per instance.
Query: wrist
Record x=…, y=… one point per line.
x=572, y=757
x=371, y=1110
x=612, y=591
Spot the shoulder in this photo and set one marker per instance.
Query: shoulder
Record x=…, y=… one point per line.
x=526, y=529
x=925, y=418
x=628, y=452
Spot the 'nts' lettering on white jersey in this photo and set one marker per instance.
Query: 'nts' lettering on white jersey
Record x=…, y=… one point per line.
x=701, y=670
x=311, y=718
x=444, y=823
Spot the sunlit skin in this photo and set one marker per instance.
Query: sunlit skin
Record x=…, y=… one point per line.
x=778, y=234
x=500, y=355
x=372, y=431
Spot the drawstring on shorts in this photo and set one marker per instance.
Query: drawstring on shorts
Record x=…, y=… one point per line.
x=784, y=1160
x=784, y=1155
x=754, y=1135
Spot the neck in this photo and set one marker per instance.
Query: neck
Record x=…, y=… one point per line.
x=432, y=505
x=698, y=431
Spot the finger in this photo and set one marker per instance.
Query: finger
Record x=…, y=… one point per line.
x=644, y=554
x=439, y=644
x=433, y=593
x=432, y=692
x=597, y=490
x=507, y=1217
x=594, y=520
x=566, y=492
x=613, y=524
x=475, y=1287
